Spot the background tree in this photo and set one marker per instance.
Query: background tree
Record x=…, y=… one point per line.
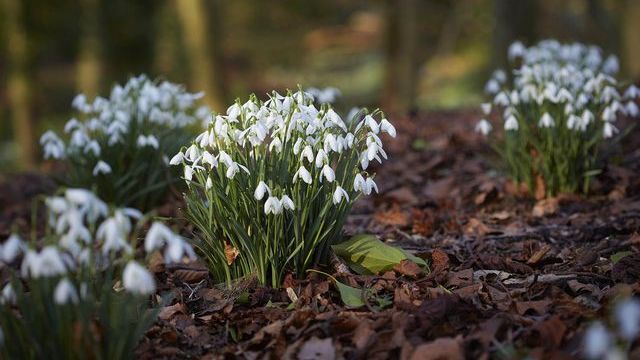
x=19, y=81
x=200, y=46
x=89, y=68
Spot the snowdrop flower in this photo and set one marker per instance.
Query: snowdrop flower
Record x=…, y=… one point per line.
x=516, y=50
x=627, y=315
x=546, y=121
x=484, y=127
x=370, y=185
x=304, y=174
x=573, y=122
x=632, y=92
x=359, y=184
x=261, y=189
x=65, y=293
x=48, y=262
x=272, y=206
x=339, y=194
x=287, y=203
x=596, y=342
x=492, y=87
x=101, y=168
x=149, y=140
x=386, y=126
x=53, y=145
x=321, y=158
x=11, y=248
x=188, y=173
x=177, y=159
x=632, y=109
x=307, y=153
x=486, y=108
x=611, y=65
x=511, y=123
x=372, y=124
x=138, y=280
x=327, y=173
x=608, y=130
x=502, y=99
x=8, y=295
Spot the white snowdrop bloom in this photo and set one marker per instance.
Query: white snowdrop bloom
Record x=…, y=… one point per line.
x=587, y=118
x=53, y=145
x=627, y=314
x=502, y=99
x=93, y=147
x=261, y=189
x=486, y=108
x=234, y=169
x=304, y=174
x=156, y=236
x=188, y=173
x=80, y=103
x=327, y=173
x=65, y=293
x=596, y=342
x=608, y=130
x=208, y=158
x=564, y=95
x=273, y=205
x=8, y=295
x=330, y=143
x=321, y=158
x=71, y=125
x=101, y=168
x=511, y=123
x=359, y=184
x=48, y=262
x=370, y=185
x=611, y=65
x=209, y=184
x=339, y=194
x=609, y=93
x=609, y=114
x=546, y=121
x=484, y=127
x=372, y=124
x=631, y=109
x=516, y=50
x=307, y=153
x=148, y=140
x=500, y=75
x=138, y=280
x=11, y=248
x=632, y=92
x=573, y=122
x=276, y=144
x=492, y=87
x=177, y=249
x=287, y=203
x=386, y=126
x=114, y=233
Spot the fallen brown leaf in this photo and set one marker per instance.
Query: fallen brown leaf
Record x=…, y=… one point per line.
x=439, y=349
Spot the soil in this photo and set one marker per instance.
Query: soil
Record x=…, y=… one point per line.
x=509, y=276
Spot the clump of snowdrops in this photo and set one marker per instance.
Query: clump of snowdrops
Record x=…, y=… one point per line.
x=120, y=145
x=559, y=112
x=79, y=291
x=613, y=342
x=270, y=183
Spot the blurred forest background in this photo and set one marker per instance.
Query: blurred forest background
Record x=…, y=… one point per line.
x=402, y=55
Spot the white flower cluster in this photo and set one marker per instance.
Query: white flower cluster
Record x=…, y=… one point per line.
x=564, y=85
x=327, y=95
x=309, y=143
x=88, y=234
x=600, y=342
x=140, y=104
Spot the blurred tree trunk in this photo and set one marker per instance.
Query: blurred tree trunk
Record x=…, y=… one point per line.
x=165, y=60
x=631, y=39
x=399, y=89
x=19, y=82
x=201, y=43
x=514, y=20
x=89, y=68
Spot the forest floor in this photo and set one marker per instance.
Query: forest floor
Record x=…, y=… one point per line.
x=509, y=276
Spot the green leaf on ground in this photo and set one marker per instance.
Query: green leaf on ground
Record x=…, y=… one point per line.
x=619, y=255
x=367, y=255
